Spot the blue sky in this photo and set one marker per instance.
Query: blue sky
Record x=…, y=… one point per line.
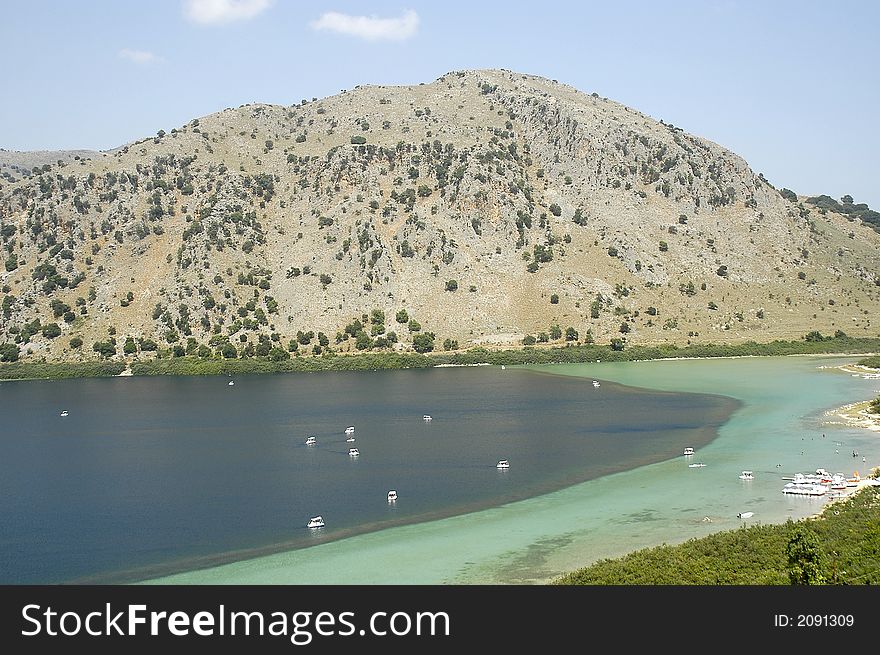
x=793, y=87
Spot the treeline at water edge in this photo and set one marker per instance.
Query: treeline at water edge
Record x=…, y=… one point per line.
x=59, y=370
x=166, y=364
x=842, y=546
x=593, y=352
x=327, y=362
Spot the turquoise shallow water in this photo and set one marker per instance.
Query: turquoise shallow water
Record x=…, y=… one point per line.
x=778, y=431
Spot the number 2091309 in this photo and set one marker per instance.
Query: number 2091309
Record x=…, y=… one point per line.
x=814, y=620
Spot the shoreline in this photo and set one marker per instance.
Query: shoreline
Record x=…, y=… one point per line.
x=855, y=415
x=866, y=372
x=822, y=354
x=477, y=356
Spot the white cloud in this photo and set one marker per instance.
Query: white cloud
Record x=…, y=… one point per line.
x=224, y=11
x=142, y=57
x=370, y=28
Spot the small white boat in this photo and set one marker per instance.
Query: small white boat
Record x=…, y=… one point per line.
x=688, y=452
x=316, y=522
x=427, y=417
x=746, y=475
x=502, y=464
x=350, y=439
x=349, y=429
x=64, y=413
x=392, y=496
x=745, y=515
x=353, y=452
x=697, y=465
x=596, y=383
x=311, y=441
x=838, y=482
x=231, y=384
x=822, y=475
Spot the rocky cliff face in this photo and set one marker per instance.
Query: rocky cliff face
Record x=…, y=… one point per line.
x=489, y=205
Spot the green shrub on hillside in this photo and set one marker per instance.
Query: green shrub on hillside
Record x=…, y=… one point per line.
x=841, y=547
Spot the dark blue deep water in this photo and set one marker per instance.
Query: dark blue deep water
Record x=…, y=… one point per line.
x=152, y=475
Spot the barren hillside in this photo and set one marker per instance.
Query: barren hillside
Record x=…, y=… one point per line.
x=485, y=207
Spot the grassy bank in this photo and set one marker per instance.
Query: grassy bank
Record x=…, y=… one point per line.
x=871, y=362
x=385, y=360
x=590, y=353
x=59, y=370
x=846, y=536
x=359, y=362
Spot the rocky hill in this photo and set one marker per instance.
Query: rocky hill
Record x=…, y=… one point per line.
x=487, y=207
x=16, y=164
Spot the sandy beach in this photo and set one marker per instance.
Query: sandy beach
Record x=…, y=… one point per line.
x=854, y=415
x=857, y=414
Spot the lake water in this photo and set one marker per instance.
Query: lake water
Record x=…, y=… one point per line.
x=777, y=431
x=151, y=476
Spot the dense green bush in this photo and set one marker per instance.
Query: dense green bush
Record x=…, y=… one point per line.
x=357, y=362
x=8, y=352
x=840, y=547
x=38, y=370
x=848, y=207
x=104, y=348
x=423, y=342
x=51, y=330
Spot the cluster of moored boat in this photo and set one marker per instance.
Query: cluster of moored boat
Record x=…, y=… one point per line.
x=818, y=484
x=318, y=521
x=801, y=484
x=312, y=440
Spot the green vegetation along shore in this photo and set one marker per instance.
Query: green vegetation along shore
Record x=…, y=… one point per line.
x=841, y=546
x=871, y=362
x=59, y=370
x=190, y=365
